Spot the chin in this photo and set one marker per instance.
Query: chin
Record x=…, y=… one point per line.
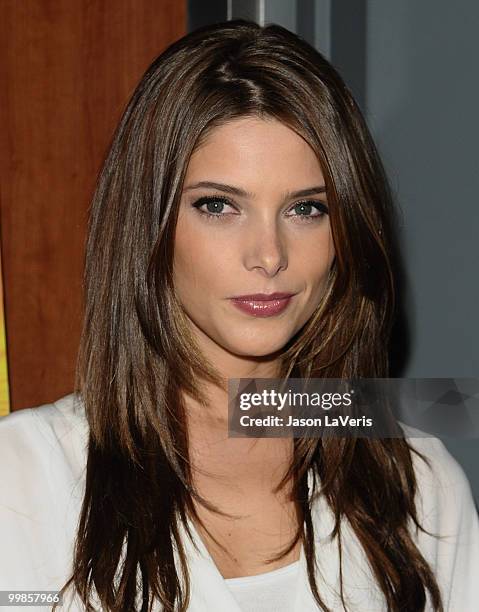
x=256, y=347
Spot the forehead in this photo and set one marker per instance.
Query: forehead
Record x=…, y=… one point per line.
x=250, y=146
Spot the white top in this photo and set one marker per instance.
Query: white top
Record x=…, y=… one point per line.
x=42, y=472
x=273, y=591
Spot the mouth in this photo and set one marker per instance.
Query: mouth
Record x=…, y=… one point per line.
x=263, y=297
x=262, y=304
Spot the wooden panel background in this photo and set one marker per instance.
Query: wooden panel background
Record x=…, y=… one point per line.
x=67, y=68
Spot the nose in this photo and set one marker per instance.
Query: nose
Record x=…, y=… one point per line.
x=266, y=249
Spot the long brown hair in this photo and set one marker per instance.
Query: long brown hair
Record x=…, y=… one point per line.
x=137, y=355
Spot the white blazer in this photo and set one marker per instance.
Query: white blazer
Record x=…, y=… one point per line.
x=42, y=475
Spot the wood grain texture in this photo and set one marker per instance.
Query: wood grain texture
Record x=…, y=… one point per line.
x=67, y=69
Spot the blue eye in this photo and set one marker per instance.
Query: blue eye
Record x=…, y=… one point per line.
x=307, y=207
x=214, y=204
x=307, y=210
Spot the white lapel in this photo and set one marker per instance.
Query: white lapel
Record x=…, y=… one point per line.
x=326, y=556
x=361, y=591
x=210, y=593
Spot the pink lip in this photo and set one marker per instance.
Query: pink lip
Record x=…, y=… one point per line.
x=257, y=297
x=262, y=305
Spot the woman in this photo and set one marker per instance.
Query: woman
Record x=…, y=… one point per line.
x=241, y=166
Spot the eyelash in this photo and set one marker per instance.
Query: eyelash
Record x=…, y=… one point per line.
x=322, y=208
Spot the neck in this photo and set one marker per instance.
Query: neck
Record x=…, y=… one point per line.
x=251, y=461
x=254, y=462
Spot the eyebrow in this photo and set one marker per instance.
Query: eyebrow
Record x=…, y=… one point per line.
x=247, y=194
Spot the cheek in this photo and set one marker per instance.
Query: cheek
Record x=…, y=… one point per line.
x=185, y=254
x=198, y=263
x=316, y=258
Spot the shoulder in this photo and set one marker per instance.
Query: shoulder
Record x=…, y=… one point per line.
x=43, y=452
x=439, y=475
x=56, y=429
x=42, y=468
x=444, y=496
x=66, y=409
x=446, y=510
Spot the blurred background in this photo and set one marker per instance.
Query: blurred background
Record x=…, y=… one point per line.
x=68, y=68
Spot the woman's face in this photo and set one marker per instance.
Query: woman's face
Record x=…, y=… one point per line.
x=262, y=236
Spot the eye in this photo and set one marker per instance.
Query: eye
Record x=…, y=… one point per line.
x=214, y=206
x=306, y=207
